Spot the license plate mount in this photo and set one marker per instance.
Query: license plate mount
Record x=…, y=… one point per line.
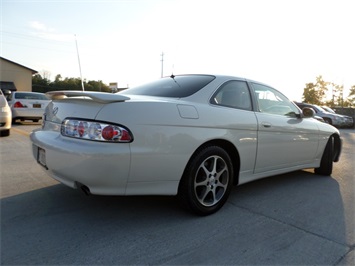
x=36, y=105
x=41, y=157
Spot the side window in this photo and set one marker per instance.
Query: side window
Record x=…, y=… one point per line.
x=233, y=94
x=273, y=102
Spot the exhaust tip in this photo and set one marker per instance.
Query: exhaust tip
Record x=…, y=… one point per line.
x=86, y=190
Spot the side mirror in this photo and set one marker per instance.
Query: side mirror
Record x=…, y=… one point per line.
x=308, y=112
x=6, y=92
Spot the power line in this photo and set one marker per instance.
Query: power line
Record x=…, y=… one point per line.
x=37, y=47
x=34, y=38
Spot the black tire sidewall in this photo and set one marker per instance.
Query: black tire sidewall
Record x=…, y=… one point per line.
x=187, y=186
x=326, y=164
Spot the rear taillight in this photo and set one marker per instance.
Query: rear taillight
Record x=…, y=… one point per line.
x=19, y=105
x=93, y=130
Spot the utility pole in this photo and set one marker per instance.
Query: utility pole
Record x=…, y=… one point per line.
x=162, y=64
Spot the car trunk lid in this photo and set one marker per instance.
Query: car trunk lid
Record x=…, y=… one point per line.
x=78, y=104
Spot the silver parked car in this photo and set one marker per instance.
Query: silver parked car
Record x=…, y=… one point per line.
x=194, y=136
x=349, y=121
x=5, y=116
x=330, y=118
x=27, y=105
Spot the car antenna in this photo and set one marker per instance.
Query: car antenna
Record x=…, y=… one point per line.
x=173, y=77
x=81, y=76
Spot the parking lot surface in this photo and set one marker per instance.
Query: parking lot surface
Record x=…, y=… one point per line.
x=293, y=219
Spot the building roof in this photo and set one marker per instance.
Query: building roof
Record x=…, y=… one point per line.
x=33, y=71
x=7, y=85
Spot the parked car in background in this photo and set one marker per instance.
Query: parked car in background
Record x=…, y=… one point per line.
x=349, y=121
x=328, y=109
x=194, y=136
x=330, y=118
x=5, y=116
x=320, y=119
x=27, y=105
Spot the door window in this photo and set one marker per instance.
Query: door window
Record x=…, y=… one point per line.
x=273, y=102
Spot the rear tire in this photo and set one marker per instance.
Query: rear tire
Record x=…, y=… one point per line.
x=207, y=181
x=5, y=133
x=326, y=163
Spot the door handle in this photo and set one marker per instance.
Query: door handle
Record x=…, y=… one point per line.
x=264, y=124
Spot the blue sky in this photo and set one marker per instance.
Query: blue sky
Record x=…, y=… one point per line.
x=285, y=43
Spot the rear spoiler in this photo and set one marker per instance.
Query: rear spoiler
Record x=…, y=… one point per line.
x=101, y=97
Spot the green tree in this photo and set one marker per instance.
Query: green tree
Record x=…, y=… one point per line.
x=309, y=93
x=72, y=84
x=314, y=93
x=40, y=84
x=351, y=96
x=93, y=85
x=337, y=95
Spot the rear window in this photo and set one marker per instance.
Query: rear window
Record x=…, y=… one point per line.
x=173, y=86
x=30, y=96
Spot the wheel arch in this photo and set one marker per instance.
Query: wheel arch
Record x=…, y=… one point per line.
x=229, y=148
x=337, y=147
x=328, y=120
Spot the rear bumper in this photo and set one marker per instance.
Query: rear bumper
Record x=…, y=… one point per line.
x=102, y=167
x=27, y=113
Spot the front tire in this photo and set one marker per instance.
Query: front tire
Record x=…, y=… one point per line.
x=326, y=163
x=328, y=120
x=207, y=181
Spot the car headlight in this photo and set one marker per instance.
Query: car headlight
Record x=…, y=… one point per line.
x=95, y=130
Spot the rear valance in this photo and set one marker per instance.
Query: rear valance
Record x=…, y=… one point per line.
x=101, y=97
